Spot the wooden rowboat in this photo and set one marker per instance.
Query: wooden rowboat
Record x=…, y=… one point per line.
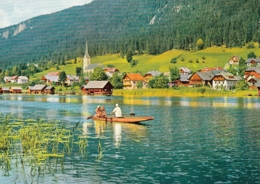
x=130, y=119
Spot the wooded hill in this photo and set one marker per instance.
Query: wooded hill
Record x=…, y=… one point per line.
x=142, y=26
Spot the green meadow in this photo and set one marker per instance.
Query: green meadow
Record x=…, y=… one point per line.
x=214, y=56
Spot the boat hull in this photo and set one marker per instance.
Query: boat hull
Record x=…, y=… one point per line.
x=132, y=119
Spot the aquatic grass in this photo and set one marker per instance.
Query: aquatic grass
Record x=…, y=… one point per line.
x=35, y=143
x=100, y=151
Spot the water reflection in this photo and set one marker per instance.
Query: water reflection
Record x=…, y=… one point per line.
x=117, y=130
x=120, y=130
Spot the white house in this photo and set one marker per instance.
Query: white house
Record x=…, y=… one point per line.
x=22, y=80
x=71, y=79
x=224, y=80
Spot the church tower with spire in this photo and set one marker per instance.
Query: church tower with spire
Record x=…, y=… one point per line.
x=86, y=59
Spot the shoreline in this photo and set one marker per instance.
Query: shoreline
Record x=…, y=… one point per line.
x=180, y=92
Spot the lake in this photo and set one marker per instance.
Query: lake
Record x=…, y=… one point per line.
x=190, y=140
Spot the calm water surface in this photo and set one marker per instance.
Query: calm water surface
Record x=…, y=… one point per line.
x=191, y=140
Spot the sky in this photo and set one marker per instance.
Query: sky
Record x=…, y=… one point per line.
x=16, y=11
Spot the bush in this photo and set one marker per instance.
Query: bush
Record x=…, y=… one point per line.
x=190, y=61
x=250, y=45
x=174, y=60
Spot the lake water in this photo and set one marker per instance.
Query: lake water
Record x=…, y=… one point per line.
x=190, y=140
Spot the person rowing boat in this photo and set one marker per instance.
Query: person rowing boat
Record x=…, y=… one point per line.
x=117, y=111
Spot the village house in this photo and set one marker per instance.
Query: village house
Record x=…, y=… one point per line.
x=185, y=71
x=98, y=88
x=224, y=80
x=15, y=90
x=253, y=72
x=183, y=80
x=234, y=60
x=253, y=62
x=110, y=71
x=51, y=77
x=72, y=79
x=37, y=89
x=130, y=81
x=201, y=79
x=7, y=79
x=149, y=75
x=251, y=81
x=49, y=90
x=251, y=75
x=14, y=79
x=5, y=89
x=22, y=80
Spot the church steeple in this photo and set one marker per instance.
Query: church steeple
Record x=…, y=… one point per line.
x=86, y=59
x=86, y=51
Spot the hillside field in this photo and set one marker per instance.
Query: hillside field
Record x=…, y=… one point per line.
x=214, y=56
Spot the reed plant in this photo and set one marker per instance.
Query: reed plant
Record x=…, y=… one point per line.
x=36, y=143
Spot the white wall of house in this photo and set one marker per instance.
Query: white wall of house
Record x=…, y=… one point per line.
x=22, y=81
x=226, y=84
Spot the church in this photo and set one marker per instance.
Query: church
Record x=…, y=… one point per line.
x=87, y=66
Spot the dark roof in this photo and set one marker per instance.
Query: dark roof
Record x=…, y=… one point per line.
x=184, y=77
x=96, y=84
x=253, y=59
x=38, y=87
x=49, y=87
x=154, y=73
x=229, y=76
x=256, y=69
x=92, y=66
x=205, y=75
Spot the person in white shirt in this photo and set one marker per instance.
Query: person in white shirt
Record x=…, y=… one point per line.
x=117, y=111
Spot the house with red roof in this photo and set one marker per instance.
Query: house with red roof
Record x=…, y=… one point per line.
x=131, y=80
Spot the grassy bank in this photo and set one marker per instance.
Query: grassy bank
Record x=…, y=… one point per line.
x=184, y=92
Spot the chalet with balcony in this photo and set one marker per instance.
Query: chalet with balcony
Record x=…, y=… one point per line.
x=130, y=81
x=51, y=77
x=14, y=79
x=22, y=80
x=201, y=79
x=253, y=62
x=71, y=79
x=234, y=60
x=98, y=88
x=253, y=72
x=110, y=71
x=149, y=75
x=224, y=80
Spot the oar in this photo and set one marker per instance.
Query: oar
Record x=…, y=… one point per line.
x=90, y=117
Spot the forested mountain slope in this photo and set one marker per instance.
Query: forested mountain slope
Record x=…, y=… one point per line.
x=144, y=26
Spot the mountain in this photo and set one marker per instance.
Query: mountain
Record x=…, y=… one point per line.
x=143, y=26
